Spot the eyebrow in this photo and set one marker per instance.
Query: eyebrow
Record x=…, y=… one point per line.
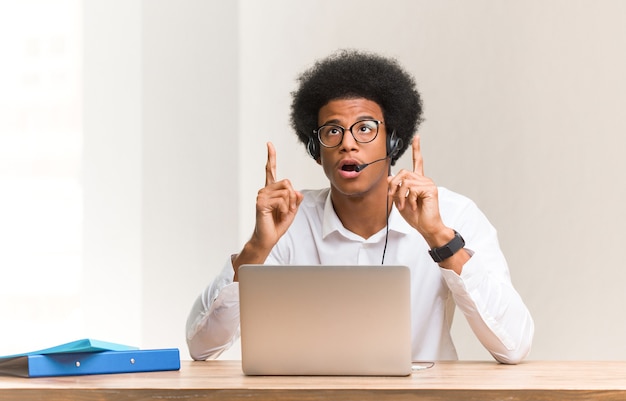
x=359, y=118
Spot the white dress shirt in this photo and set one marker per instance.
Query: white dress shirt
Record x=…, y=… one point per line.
x=483, y=291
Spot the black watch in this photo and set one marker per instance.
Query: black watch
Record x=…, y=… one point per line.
x=444, y=252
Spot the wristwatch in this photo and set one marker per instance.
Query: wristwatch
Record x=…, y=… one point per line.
x=444, y=252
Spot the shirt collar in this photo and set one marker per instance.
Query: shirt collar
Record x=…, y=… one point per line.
x=332, y=222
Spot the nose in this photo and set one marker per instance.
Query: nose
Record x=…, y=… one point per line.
x=348, y=142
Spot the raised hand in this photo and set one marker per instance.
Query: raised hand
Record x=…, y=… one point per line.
x=276, y=204
x=416, y=196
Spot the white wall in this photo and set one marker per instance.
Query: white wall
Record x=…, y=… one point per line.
x=112, y=172
x=160, y=160
x=523, y=106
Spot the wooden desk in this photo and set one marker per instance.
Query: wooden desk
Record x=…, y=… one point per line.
x=223, y=380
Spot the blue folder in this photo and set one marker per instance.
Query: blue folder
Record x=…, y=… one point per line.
x=82, y=345
x=89, y=358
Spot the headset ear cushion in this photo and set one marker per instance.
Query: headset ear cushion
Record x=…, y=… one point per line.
x=394, y=144
x=396, y=147
x=312, y=148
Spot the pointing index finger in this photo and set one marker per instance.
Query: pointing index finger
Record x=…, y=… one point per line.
x=270, y=166
x=418, y=161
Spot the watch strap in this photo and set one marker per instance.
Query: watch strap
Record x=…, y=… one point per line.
x=444, y=252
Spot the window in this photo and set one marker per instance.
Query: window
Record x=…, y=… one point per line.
x=40, y=165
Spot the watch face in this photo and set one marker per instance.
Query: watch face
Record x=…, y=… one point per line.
x=444, y=252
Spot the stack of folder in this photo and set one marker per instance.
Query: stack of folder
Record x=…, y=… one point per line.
x=89, y=357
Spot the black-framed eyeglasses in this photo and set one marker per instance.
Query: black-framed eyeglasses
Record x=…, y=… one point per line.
x=363, y=131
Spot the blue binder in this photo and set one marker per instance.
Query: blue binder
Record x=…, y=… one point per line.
x=94, y=361
x=82, y=345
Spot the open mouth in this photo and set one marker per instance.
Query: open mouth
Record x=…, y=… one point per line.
x=349, y=167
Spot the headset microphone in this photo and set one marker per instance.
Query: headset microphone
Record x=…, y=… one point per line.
x=394, y=144
x=360, y=167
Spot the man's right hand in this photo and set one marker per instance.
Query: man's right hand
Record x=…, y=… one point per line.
x=276, y=206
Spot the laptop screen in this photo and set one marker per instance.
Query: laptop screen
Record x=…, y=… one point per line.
x=325, y=320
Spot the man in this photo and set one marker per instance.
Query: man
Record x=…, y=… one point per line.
x=357, y=113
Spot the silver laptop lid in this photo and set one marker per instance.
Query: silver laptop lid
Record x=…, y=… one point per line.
x=325, y=320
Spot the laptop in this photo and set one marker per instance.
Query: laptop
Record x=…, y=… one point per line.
x=325, y=320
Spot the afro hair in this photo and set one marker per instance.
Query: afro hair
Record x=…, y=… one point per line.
x=356, y=74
